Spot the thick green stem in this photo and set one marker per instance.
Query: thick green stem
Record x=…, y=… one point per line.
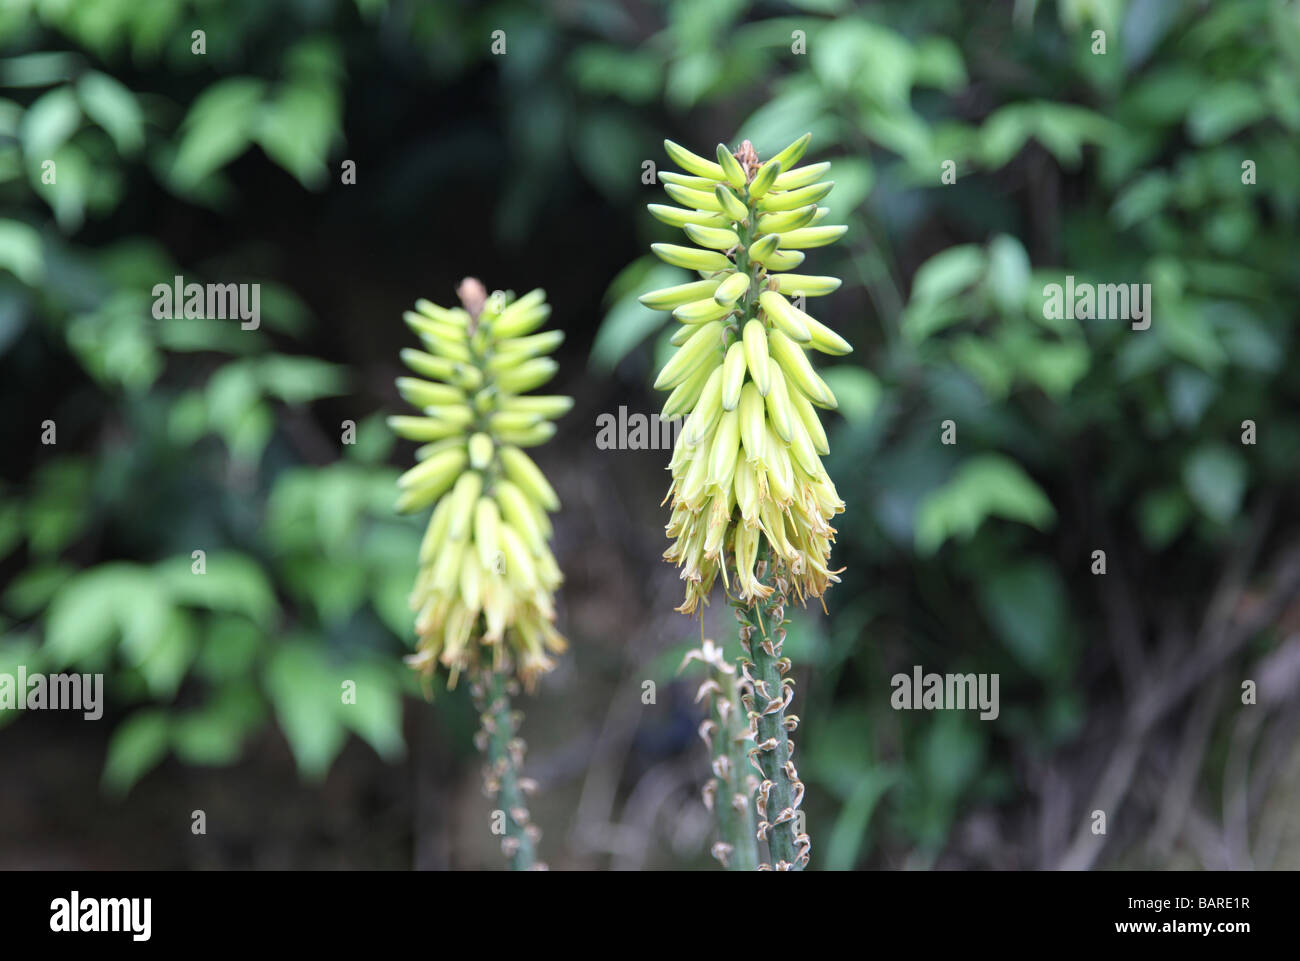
x=501, y=777
x=762, y=634
x=731, y=785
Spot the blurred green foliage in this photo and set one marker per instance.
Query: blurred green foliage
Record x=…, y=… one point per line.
x=304, y=569
x=1121, y=167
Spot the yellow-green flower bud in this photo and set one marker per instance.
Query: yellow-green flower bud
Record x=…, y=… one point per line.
x=487, y=578
x=747, y=463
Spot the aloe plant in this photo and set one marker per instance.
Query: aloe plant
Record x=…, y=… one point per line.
x=750, y=498
x=484, y=594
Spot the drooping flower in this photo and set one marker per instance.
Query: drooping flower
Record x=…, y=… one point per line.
x=746, y=467
x=484, y=594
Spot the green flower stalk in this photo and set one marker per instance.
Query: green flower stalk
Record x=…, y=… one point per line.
x=505, y=759
x=484, y=594
x=730, y=742
x=747, y=467
x=486, y=574
x=750, y=497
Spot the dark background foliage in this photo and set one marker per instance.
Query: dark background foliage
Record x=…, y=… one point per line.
x=1119, y=692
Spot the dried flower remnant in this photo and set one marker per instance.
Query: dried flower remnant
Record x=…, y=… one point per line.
x=728, y=735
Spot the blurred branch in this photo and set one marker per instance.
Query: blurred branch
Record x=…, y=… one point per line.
x=1225, y=631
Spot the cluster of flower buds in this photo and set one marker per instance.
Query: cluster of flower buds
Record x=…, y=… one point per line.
x=752, y=440
x=487, y=576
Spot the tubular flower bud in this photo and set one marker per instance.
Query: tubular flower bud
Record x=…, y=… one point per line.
x=487, y=577
x=746, y=468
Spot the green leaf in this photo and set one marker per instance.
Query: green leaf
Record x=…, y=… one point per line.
x=295, y=130
x=690, y=77
x=170, y=655
x=857, y=390
x=233, y=583
x=299, y=380
x=632, y=75
x=306, y=694
x=374, y=441
x=1162, y=515
x=230, y=648
x=628, y=322
x=114, y=343
x=76, y=179
x=38, y=69
x=1063, y=129
x=18, y=650
x=1056, y=367
x=1027, y=606
x=230, y=393
x=1215, y=478
x=938, y=282
x=854, y=178
x=798, y=109
x=217, y=129
x=33, y=588
x=851, y=824
x=1143, y=200
x=339, y=497
x=335, y=590
x=83, y=617
x=1223, y=111
x=113, y=107
x=948, y=273
x=138, y=744
x=1008, y=272
x=985, y=361
x=937, y=62
x=187, y=419
x=214, y=734
x=58, y=508
x=1003, y=134
x=953, y=753
x=49, y=122
x=147, y=622
x=377, y=714
x=868, y=60
x=203, y=739
x=988, y=485
x=20, y=251
x=390, y=597
x=250, y=435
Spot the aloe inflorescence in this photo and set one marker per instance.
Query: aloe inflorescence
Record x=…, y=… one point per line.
x=750, y=498
x=484, y=594
x=747, y=461
x=486, y=571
